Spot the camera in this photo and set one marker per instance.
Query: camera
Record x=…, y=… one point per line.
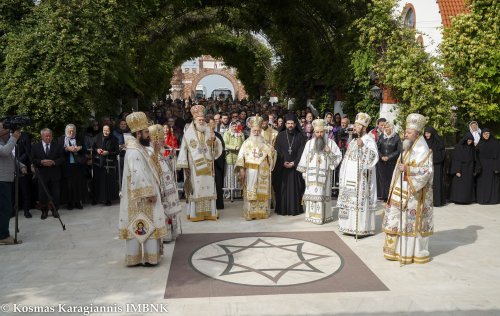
x=14, y=123
x=350, y=128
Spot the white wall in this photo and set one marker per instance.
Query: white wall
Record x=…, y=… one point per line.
x=428, y=22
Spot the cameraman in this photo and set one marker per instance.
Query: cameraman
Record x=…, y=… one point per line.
x=7, y=164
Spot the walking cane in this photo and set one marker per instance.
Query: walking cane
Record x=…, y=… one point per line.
x=401, y=213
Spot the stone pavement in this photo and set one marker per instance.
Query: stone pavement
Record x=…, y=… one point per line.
x=84, y=265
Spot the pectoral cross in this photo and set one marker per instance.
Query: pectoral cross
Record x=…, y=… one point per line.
x=255, y=153
x=290, y=150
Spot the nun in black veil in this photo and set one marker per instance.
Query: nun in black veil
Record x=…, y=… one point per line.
x=464, y=166
x=488, y=180
x=288, y=183
x=436, y=144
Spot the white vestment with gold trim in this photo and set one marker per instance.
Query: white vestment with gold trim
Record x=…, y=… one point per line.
x=317, y=170
x=169, y=193
x=141, y=223
x=197, y=154
x=258, y=158
x=357, y=199
x=416, y=201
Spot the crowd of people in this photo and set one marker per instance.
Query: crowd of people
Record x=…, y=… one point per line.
x=274, y=159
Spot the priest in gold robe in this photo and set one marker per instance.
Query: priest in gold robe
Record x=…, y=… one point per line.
x=408, y=220
x=198, y=151
x=141, y=220
x=255, y=162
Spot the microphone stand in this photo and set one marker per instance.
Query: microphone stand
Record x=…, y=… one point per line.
x=16, y=190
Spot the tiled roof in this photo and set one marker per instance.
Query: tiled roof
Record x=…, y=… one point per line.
x=450, y=8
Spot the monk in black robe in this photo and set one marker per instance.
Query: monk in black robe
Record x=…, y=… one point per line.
x=220, y=168
x=463, y=170
x=105, y=177
x=288, y=183
x=436, y=144
x=488, y=180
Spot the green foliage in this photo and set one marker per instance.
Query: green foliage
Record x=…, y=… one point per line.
x=414, y=77
x=471, y=57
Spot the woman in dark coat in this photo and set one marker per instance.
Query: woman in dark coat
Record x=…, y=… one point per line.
x=389, y=149
x=74, y=187
x=488, y=180
x=436, y=144
x=462, y=170
x=105, y=180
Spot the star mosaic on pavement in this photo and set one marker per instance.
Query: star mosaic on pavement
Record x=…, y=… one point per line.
x=234, y=267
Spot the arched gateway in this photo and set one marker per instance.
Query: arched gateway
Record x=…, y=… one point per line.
x=187, y=77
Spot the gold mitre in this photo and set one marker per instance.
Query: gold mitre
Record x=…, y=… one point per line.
x=416, y=122
x=137, y=121
x=156, y=132
x=255, y=121
x=319, y=124
x=363, y=119
x=198, y=110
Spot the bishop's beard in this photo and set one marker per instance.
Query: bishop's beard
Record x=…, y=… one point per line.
x=258, y=138
x=319, y=145
x=201, y=128
x=407, y=144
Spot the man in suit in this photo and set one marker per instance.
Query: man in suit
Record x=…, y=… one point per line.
x=48, y=157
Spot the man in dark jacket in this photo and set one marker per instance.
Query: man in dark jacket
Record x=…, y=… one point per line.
x=48, y=157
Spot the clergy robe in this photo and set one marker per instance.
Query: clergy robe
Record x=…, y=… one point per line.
x=168, y=192
x=198, y=156
x=462, y=189
x=358, y=188
x=141, y=223
x=417, y=207
x=436, y=144
x=288, y=182
x=257, y=157
x=388, y=146
x=488, y=180
x=105, y=179
x=317, y=170
x=220, y=169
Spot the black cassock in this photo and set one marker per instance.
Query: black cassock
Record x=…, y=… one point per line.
x=105, y=177
x=288, y=183
x=390, y=147
x=436, y=144
x=220, y=168
x=464, y=162
x=488, y=180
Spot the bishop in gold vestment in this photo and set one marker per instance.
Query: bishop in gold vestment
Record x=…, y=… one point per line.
x=408, y=220
x=255, y=162
x=198, y=151
x=141, y=221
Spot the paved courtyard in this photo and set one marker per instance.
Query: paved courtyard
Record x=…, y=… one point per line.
x=84, y=266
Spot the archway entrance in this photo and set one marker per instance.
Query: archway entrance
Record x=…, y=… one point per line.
x=195, y=72
x=213, y=86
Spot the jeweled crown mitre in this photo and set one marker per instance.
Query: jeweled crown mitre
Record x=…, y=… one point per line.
x=198, y=110
x=156, y=132
x=319, y=124
x=363, y=119
x=416, y=122
x=255, y=121
x=137, y=121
